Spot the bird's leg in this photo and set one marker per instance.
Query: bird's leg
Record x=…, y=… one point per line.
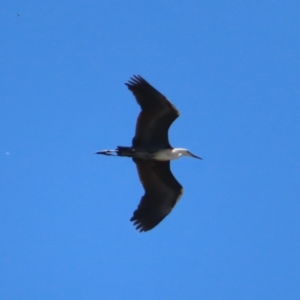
x=108, y=152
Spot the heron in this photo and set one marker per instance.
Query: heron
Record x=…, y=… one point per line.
x=152, y=153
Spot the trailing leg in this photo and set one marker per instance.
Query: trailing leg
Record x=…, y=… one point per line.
x=108, y=152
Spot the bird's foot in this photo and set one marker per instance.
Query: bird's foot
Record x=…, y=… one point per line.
x=108, y=152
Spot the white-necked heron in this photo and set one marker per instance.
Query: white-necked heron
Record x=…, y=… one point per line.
x=152, y=153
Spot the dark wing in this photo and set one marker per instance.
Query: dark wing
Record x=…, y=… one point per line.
x=157, y=114
x=162, y=192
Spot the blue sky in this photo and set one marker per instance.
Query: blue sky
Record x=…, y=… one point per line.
x=233, y=70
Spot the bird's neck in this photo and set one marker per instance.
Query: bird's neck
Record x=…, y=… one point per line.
x=167, y=154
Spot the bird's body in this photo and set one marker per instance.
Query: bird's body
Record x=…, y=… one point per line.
x=149, y=154
x=152, y=153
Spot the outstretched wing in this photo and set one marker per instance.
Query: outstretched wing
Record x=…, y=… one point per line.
x=157, y=114
x=162, y=192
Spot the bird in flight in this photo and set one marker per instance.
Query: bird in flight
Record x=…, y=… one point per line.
x=152, y=153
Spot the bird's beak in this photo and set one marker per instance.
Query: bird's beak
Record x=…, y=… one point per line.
x=193, y=155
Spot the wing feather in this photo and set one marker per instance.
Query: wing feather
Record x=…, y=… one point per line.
x=162, y=192
x=156, y=117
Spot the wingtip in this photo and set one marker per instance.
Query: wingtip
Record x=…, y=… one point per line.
x=134, y=80
x=138, y=225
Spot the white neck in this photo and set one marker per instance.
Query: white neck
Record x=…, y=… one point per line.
x=169, y=154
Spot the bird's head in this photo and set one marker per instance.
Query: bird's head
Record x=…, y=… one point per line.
x=185, y=152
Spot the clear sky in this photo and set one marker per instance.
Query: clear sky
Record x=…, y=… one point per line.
x=232, y=68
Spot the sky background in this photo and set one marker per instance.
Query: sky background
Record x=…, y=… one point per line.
x=233, y=70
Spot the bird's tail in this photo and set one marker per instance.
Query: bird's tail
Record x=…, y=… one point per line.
x=120, y=151
x=125, y=151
